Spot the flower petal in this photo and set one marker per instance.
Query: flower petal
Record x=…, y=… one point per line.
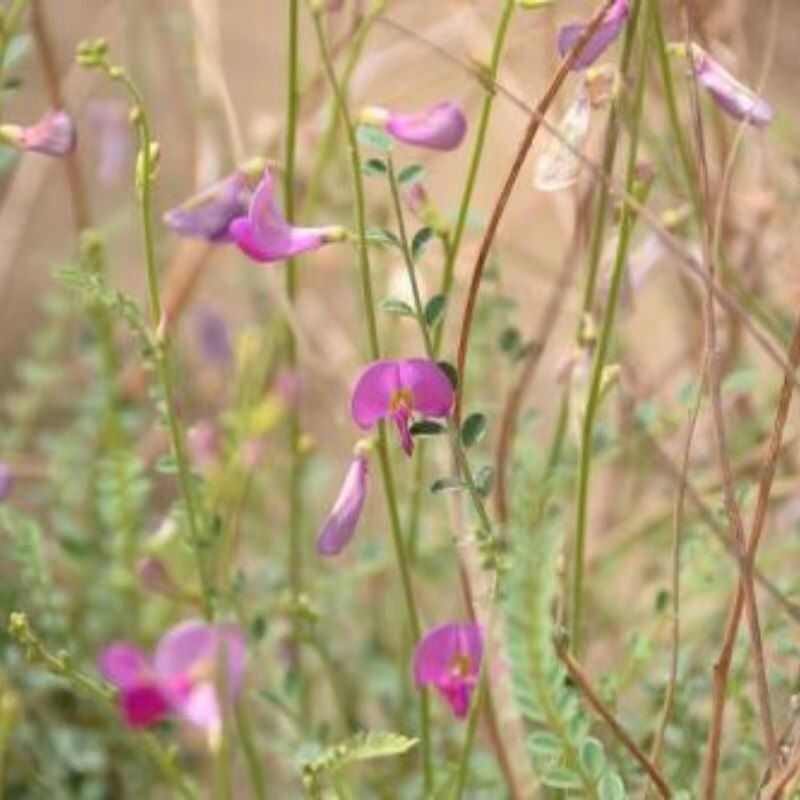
x=341, y=523
x=208, y=214
x=201, y=708
x=373, y=392
x=182, y=648
x=439, y=127
x=435, y=652
x=604, y=36
x=124, y=664
x=143, y=705
x=431, y=389
x=732, y=96
x=6, y=480
x=53, y=135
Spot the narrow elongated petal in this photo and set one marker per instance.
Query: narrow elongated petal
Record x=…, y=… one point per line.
x=732, y=96
x=265, y=235
x=609, y=30
x=124, y=664
x=373, y=392
x=430, y=388
x=343, y=519
x=208, y=215
x=440, y=127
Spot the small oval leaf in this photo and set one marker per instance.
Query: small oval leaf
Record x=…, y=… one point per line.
x=420, y=241
x=374, y=137
x=434, y=308
x=426, y=427
x=413, y=173
x=446, y=485
x=473, y=429
x=391, y=305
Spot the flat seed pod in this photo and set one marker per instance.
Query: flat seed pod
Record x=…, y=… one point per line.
x=557, y=167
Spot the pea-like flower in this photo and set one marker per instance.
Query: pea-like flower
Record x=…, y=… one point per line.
x=729, y=94
x=53, y=135
x=610, y=28
x=265, y=235
x=208, y=214
x=181, y=678
x=449, y=659
x=397, y=390
x=438, y=127
x=341, y=523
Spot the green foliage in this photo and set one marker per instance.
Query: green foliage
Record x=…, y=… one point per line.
x=363, y=746
x=563, y=753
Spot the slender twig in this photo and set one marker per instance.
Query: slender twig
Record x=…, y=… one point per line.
x=533, y=127
x=374, y=345
x=251, y=754
x=454, y=239
x=581, y=679
x=601, y=352
x=295, y=554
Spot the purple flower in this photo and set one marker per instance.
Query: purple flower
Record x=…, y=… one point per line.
x=53, y=135
x=730, y=95
x=341, y=523
x=438, y=127
x=156, y=578
x=265, y=235
x=181, y=677
x=449, y=659
x=203, y=441
x=110, y=119
x=613, y=22
x=209, y=214
x=398, y=389
x=212, y=334
x=6, y=480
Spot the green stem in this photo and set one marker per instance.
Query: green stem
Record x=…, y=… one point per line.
x=374, y=346
x=162, y=357
x=474, y=164
x=459, y=455
x=295, y=556
x=250, y=751
x=599, y=360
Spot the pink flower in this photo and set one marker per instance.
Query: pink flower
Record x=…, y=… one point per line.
x=53, y=135
x=438, y=127
x=397, y=390
x=604, y=36
x=341, y=522
x=265, y=235
x=181, y=677
x=203, y=440
x=209, y=214
x=730, y=95
x=155, y=577
x=449, y=659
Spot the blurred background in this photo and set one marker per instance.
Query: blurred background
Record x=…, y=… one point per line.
x=213, y=77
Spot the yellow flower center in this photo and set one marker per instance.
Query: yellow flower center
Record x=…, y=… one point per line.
x=401, y=399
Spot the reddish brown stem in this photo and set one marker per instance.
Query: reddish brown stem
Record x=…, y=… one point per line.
x=535, y=122
x=578, y=675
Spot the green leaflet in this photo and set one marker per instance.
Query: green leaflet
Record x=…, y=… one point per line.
x=561, y=750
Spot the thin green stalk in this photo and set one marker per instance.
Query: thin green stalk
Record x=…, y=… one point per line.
x=145, y=171
x=459, y=455
x=8, y=30
x=295, y=555
x=374, y=346
x=599, y=361
x=474, y=163
x=251, y=755
x=327, y=148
